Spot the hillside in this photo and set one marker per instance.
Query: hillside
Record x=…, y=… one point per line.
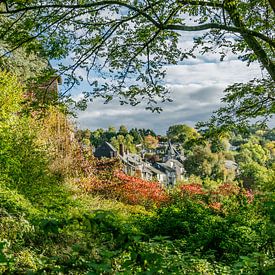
x=64, y=212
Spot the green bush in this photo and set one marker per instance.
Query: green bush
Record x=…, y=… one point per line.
x=51, y=227
x=239, y=229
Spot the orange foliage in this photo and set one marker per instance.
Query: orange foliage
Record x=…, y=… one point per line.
x=213, y=198
x=192, y=189
x=109, y=181
x=137, y=191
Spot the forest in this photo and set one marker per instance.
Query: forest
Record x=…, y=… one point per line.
x=65, y=211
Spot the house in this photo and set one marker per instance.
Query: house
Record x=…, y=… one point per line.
x=132, y=163
x=172, y=164
x=231, y=166
x=106, y=150
x=157, y=174
x=167, y=172
x=172, y=153
x=177, y=166
x=170, y=173
x=141, y=168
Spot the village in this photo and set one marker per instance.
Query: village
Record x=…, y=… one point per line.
x=165, y=163
x=167, y=170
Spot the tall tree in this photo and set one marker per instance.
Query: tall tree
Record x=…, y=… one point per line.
x=133, y=44
x=181, y=133
x=123, y=130
x=205, y=164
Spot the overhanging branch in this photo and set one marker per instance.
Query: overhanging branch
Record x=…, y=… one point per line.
x=201, y=3
x=83, y=6
x=220, y=27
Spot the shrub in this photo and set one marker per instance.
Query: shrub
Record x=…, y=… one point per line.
x=239, y=229
x=137, y=191
x=109, y=181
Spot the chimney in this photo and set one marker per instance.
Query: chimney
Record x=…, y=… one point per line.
x=121, y=149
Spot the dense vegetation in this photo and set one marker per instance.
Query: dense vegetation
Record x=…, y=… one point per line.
x=63, y=212
x=252, y=150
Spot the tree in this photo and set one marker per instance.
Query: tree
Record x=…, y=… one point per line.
x=138, y=38
x=136, y=135
x=126, y=141
x=181, y=133
x=205, y=164
x=253, y=151
x=256, y=164
x=219, y=145
x=109, y=134
x=84, y=136
x=10, y=98
x=257, y=177
x=123, y=130
x=151, y=142
x=97, y=137
x=112, y=129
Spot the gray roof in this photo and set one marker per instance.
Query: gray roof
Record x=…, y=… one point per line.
x=105, y=150
x=147, y=170
x=171, y=151
x=155, y=170
x=230, y=164
x=165, y=167
x=133, y=158
x=111, y=146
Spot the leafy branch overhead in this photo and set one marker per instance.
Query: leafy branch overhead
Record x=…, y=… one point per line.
x=123, y=47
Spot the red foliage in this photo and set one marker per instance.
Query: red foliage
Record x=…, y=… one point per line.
x=104, y=177
x=137, y=191
x=109, y=181
x=213, y=198
x=249, y=195
x=192, y=189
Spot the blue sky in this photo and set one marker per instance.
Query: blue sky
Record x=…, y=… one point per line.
x=196, y=88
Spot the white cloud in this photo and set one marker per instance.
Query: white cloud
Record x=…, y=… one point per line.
x=196, y=90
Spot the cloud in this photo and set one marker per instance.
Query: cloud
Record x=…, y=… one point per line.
x=196, y=89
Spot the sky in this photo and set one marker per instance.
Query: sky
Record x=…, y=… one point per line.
x=196, y=87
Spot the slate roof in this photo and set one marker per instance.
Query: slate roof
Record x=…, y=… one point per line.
x=105, y=150
x=172, y=153
x=155, y=170
x=230, y=164
x=164, y=167
x=111, y=146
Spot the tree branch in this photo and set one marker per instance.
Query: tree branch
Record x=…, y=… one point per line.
x=201, y=3
x=35, y=36
x=250, y=39
x=220, y=27
x=84, y=6
x=272, y=4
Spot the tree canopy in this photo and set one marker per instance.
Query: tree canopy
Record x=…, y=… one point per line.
x=130, y=43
